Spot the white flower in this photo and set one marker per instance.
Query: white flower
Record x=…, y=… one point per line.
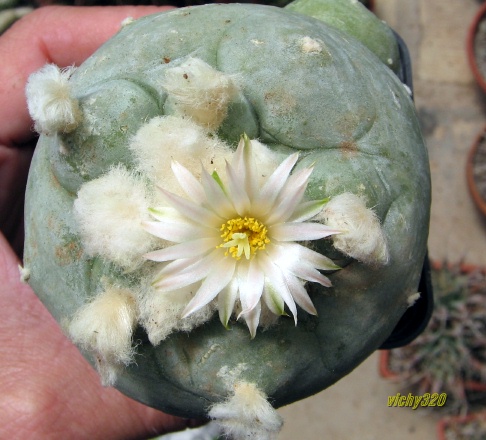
x=238, y=239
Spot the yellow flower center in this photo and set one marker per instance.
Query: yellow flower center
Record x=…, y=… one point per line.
x=243, y=235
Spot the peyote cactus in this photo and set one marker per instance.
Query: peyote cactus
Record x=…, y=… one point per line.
x=193, y=180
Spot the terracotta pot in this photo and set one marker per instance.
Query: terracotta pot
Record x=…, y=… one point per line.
x=475, y=179
x=447, y=423
x=474, y=45
x=465, y=268
x=384, y=366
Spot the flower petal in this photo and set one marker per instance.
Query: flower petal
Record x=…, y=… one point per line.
x=299, y=293
x=291, y=252
x=294, y=231
x=216, y=281
x=166, y=214
x=184, y=250
x=273, y=185
x=307, y=210
x=273, y=299
x=175, y=266
x=236, y=191
x=308, y=273
x=191, y=210
x=290, y=196
x=244, y=164
x=189, y=274
x=250, y=282
x=291, y=261
x=276, y=280
x=226, y=301
x=215, y=196
x=252, y=318
x=188, y=182
x=177, y=232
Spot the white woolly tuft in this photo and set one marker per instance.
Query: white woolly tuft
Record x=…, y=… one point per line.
x=24, y=273
x=412, y=298
x=247, y=415
x=127, y=21
x=197, y=90
x=160, y=313
x=50, y=102
x=110, y=211
x=104, y=327
x=167, y=138
x=363, y=238
x=311, y=46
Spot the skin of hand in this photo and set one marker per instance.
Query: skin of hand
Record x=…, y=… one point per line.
x=47, y=389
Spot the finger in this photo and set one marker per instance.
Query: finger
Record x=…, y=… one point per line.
x=55, y=34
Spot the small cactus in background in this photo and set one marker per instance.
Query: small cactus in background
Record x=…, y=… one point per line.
x=470, y=427
x=452, y=350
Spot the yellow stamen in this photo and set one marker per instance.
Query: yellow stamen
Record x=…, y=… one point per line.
x=243, y=235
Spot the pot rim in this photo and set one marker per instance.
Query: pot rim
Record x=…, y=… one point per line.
x=443, y=423
x=471, y=36
x=471, y=182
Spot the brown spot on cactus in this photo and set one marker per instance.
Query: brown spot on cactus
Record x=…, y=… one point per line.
x=69, y=252
x=280, y=102
x=349, y=149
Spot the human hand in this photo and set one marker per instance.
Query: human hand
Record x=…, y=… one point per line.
x=47, y=389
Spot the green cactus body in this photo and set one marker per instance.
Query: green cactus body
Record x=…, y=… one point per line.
x=303, y=86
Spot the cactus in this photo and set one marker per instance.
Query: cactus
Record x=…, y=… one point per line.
x=470, y=427
x=452, y=350
x=228, y=206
